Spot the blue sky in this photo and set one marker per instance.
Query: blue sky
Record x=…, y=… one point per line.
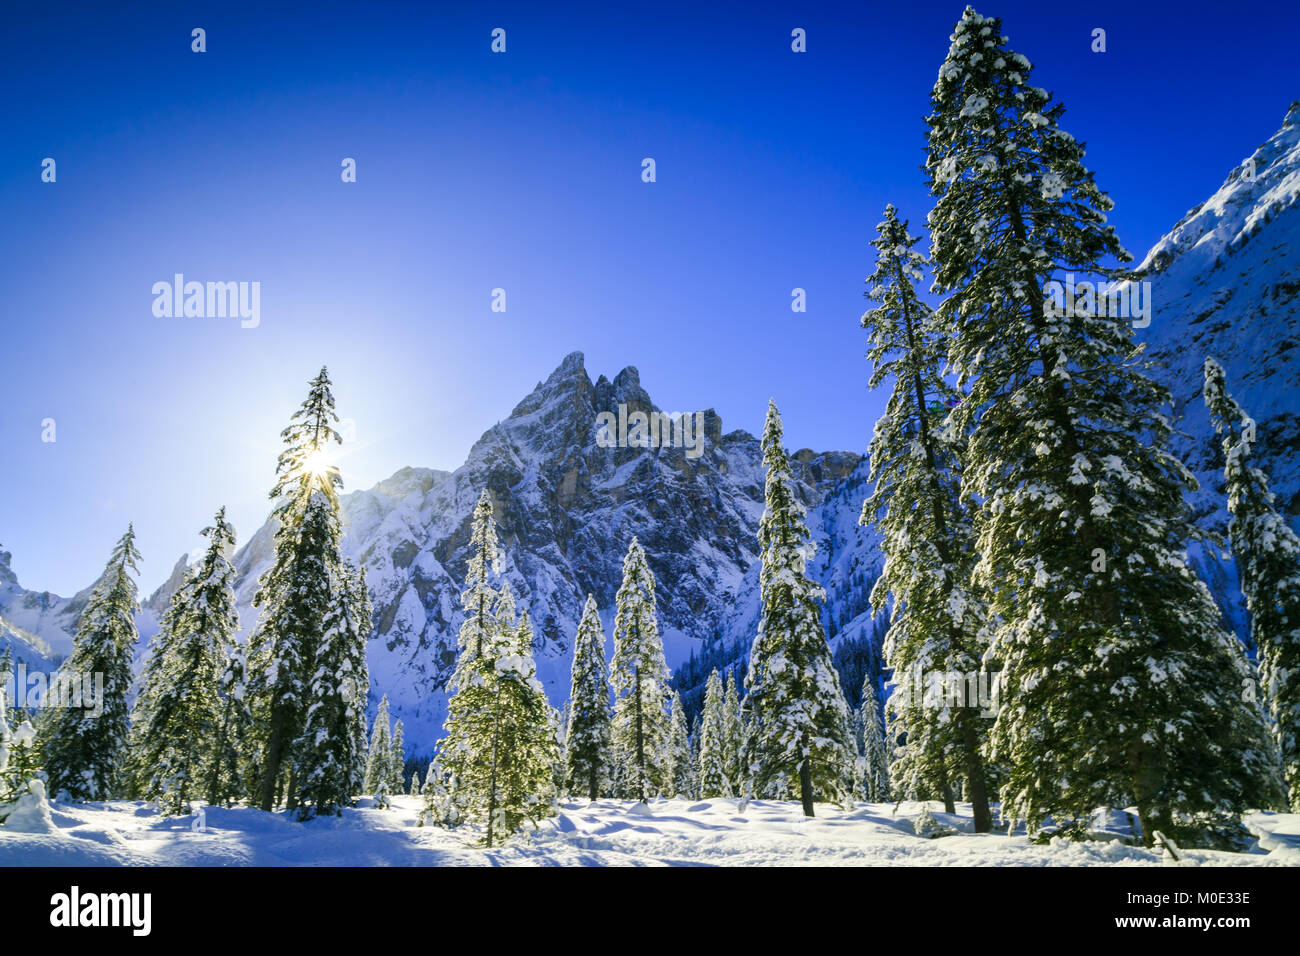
x=520, y=171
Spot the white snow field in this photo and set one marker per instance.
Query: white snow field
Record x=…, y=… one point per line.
x=607, y=833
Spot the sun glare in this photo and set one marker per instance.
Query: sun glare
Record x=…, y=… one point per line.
x=317, y=463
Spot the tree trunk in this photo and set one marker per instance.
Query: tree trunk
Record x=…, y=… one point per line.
x=214, y=772
x=274, y=755
x=805, y=779
x=640, y=743
x=949, y=805
x=492, y=776
x=976, y=784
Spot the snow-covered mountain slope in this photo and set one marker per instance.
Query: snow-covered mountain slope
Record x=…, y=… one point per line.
x=1226, y=282
x=36, y=625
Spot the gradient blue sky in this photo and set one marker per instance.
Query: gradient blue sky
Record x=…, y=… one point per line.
x=519, y=171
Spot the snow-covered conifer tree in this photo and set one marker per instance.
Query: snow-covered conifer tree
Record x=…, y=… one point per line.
x=875, y=755
x=714, y=778
x=679, y=775
x=1113, y=660
x=82, y=750
x=733, y=737
x=1268, y=565
x=500, y=749
x=19, y=760
x=397, y=759
x=295, y=595
x=229, y=772
x=379, y=773
x=640, y=679
x=332, y=756
x=587, y=741
x=177, y=719
x=799, y=742
x=937, y=626
x=479, y=597
x=440, y=806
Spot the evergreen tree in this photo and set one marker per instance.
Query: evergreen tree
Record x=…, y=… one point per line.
x=1118, y=684
x=733, y=736
x=937, y=628
x=83, y=751
x=414, y=789
x=397, y=760
x=441, y=808
x=379, y=773
x=715, y=781
x=527, y=728
x=799, y=741
x=500, y=748
x=874, y=752
x=587, y=741
x=362, y=612
x=296, y=594
x=19, y=760
x=640, y=679
x=479, y=597
x=231, y=773
x=1267, y=551
x=679, y=774
x=213, y=609
x=177, y=716
x=333, y=760
x=472, y=684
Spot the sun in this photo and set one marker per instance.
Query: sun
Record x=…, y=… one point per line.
x=317, y=463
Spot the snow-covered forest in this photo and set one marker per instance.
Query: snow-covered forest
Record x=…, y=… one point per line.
x=1033, y=625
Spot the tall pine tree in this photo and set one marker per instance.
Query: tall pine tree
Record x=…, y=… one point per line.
x=799, y=741
x=1119, y=686
x=83, y=751
x=1268, y=565
x=587, y=739
x=937, y=625
x=640, y=679
x=295, y=595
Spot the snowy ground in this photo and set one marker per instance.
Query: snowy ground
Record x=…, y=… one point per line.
x=607, y=833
